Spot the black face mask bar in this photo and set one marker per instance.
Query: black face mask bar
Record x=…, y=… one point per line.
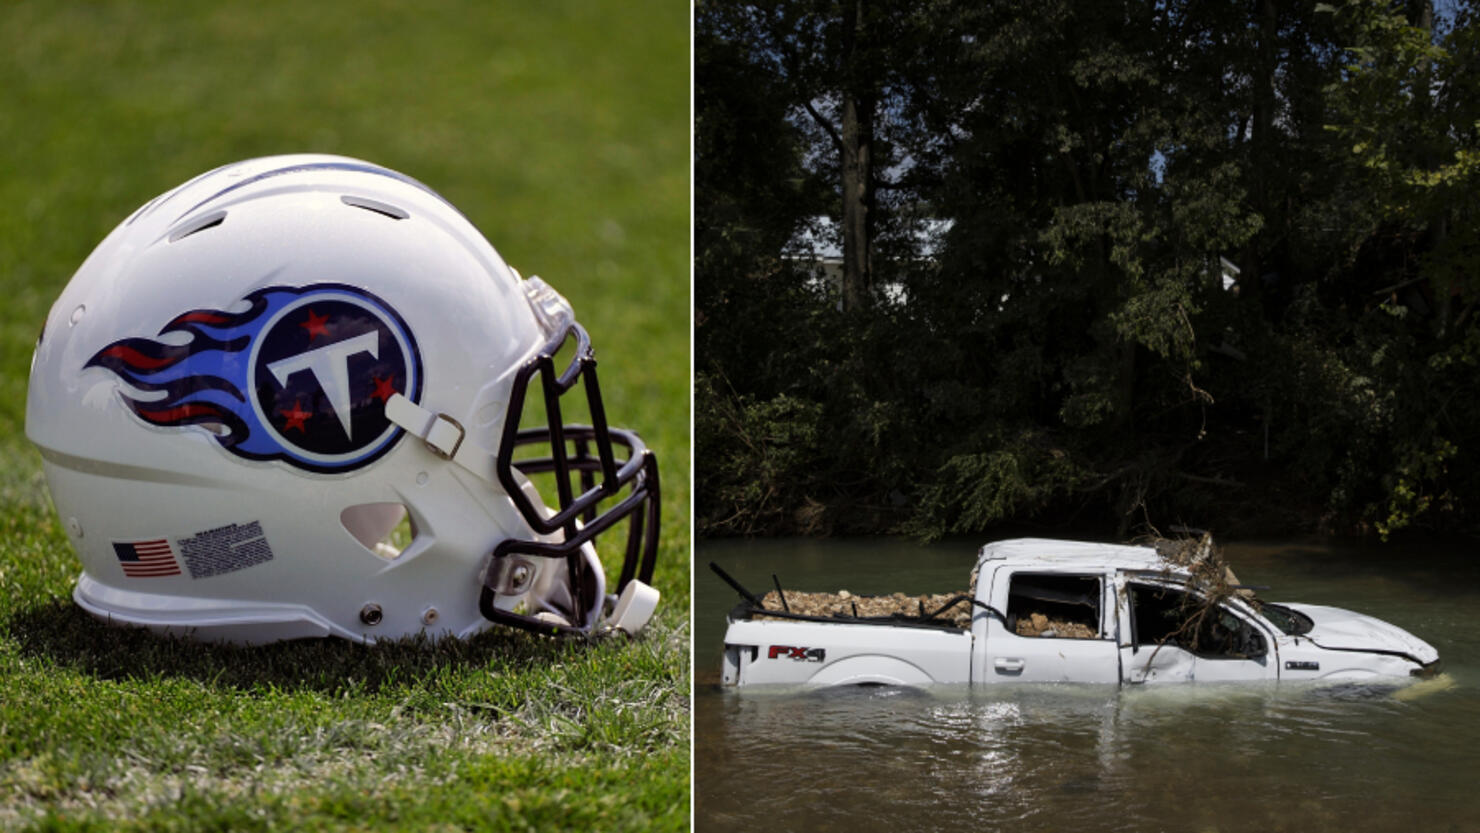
x=577, y=516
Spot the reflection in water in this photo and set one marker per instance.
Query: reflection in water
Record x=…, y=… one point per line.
x=1062, y=757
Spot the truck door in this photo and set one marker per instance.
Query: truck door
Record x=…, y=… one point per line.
x=1169, y=634
x=1057, y=628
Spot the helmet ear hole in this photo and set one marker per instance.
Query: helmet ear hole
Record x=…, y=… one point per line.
x=384, y=529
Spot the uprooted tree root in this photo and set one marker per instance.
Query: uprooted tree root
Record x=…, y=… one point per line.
x=1211, y=577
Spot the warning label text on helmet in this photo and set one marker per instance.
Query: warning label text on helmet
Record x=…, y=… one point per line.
x=225, y=549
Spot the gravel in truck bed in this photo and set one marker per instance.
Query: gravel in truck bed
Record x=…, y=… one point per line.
x=843, y=603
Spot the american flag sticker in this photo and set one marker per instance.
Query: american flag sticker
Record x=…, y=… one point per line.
x=146, y=559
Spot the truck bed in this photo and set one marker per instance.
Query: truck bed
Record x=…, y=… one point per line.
x=897, y=608
x=846, y=605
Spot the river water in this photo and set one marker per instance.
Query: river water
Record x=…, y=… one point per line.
x=1090, y=758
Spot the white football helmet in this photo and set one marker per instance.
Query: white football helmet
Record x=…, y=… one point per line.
x=253, y=379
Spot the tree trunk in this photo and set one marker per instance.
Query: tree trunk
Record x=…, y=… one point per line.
x=1262, y=152
x=1421, y=15
x=857, y=135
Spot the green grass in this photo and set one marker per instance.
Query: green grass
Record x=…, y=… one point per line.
x=561, y=130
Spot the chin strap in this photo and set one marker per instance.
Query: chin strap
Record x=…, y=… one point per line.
x=443, y=435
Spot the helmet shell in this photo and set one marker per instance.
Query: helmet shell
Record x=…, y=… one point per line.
x=264, y=545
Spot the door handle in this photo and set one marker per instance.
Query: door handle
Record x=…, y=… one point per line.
x=1009, y=665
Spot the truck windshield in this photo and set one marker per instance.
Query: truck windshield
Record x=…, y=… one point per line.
x=1292, y=622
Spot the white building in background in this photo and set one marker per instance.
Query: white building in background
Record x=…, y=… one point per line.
x=819, y=246
x=1228, y=273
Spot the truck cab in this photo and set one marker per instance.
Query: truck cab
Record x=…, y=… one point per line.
x=1141, y=621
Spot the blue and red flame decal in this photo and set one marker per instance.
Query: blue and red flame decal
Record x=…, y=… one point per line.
x=194, y=391
x=301, y=375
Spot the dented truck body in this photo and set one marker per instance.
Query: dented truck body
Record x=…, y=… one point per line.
x=1066, y=611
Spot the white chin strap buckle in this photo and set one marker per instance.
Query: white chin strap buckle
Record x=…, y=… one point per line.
x=634, y=607
x=442, y=434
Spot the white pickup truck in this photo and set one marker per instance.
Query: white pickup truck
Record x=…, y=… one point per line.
x=1115, y=614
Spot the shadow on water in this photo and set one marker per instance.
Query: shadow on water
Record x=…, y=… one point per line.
x=1438, y=568
x=60, y=633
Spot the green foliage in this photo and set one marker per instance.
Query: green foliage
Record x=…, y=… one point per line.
x=1067, y=347
x=759, y=455
x=976, y=491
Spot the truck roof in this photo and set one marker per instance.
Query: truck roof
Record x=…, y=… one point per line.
x=1086, y=554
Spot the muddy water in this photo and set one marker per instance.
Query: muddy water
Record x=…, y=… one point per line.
x=1086, y=758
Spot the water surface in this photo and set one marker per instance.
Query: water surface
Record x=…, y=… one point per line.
x=1089, y=758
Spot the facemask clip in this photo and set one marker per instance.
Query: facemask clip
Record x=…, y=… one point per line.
x=510, y=575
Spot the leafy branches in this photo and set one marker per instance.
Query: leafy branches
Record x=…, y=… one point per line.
x=1206, y=263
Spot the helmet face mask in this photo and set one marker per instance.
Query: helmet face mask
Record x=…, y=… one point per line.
x=222, y=395
x=586, y=472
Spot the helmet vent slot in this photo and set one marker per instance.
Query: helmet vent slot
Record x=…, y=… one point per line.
x=383, y=529
x=375, y=205
x=198, y=225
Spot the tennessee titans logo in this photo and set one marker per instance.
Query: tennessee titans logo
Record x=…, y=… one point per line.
x=302, y=375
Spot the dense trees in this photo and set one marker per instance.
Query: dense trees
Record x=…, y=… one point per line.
x=1036, y=209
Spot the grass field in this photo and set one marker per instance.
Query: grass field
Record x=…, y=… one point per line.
x=561, y=130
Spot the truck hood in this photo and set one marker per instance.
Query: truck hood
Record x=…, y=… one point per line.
x=1346, y=630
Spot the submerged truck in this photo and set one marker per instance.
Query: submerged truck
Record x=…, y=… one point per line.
x=1047, y=611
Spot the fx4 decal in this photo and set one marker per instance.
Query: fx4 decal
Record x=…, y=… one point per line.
x=799, y=654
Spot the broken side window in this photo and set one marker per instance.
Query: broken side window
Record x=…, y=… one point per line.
x=1163, y=615
x=1054, y=605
